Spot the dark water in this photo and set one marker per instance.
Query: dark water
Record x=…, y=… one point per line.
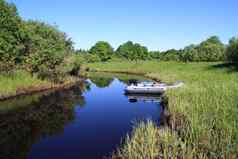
x=87, y=121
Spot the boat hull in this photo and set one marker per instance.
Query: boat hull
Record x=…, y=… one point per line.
x=151, y=88
x=144, y=91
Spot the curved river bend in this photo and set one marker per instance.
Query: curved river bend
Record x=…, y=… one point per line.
x=87, y=121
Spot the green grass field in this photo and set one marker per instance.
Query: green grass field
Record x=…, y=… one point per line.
x=204, y=112
x=17, y=81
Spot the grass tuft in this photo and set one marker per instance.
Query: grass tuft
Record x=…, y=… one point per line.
x=143, y=143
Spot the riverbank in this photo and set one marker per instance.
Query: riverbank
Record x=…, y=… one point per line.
x=203, y=113
x=23, y=83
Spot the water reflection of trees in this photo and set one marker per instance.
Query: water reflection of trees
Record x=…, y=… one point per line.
x=103, y=79
x=101, y=82
x=47, y=116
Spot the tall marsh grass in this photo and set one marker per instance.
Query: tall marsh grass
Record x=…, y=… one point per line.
x=10, y=83
x=208, y=102
x=141, y=144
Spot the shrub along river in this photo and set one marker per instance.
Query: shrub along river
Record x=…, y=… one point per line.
x=86, y=121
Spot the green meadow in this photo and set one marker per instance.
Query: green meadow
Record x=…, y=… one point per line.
x=203, y=121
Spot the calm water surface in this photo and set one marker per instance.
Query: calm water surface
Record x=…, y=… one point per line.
x=87, y=121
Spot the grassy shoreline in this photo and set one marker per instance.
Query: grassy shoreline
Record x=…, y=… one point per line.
x=203, y=112
x=23, y=83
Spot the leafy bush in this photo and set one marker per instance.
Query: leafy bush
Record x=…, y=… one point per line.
x=155, y=54
x=132, y=51
x=211, y=50
x=46, y=47
x=232, y=50
x=170, y=55
x=12, y=35
x=87, y=57
x=101, y=50
x=72, y=64
x=190, y=53
x=91, y=58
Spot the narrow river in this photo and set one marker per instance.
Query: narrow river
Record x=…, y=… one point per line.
x=87, y=121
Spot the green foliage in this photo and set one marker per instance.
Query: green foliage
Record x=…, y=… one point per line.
x=132, y=51
x=155, y=54
x=47, y=50
x=12, y=36
x=70, y=66
x=211, y=49
x=232, y=50
x=35, y=46
x=102, y=82
x=6, y=66
x=73, y=64
x=85, y=57
x=46, y=46
x=103, y=50
x=81, y=51
x=91, y=58
x=170, y=55
x=190, y=53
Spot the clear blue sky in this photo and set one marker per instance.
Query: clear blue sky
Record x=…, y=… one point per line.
x=158, y=24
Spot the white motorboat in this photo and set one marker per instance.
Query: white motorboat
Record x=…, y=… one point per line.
x=150, y=87
x=146, y=87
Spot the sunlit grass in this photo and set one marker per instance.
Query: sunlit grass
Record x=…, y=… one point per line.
x=141, y=144
x=10, y=84
x=208, y=101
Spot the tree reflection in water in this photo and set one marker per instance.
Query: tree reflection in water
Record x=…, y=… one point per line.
x=44, y=116
x=104, y=79
x=101, y=82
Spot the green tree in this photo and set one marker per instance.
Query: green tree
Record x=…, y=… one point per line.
x=232, y=50
x=211, y=49
x=103, y=50
x=85, y=57
x=81, y=51
x=170, y=55
x=126, y=50
x=155, y=54
x=12, y=36
x=141, y=52
x=132, y=51
x=46, y=46
x=190, y=53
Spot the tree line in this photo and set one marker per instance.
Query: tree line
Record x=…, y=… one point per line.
x=212, y=49
x=44, y=50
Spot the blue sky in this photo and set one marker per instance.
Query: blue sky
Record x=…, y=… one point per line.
x=157, y=24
